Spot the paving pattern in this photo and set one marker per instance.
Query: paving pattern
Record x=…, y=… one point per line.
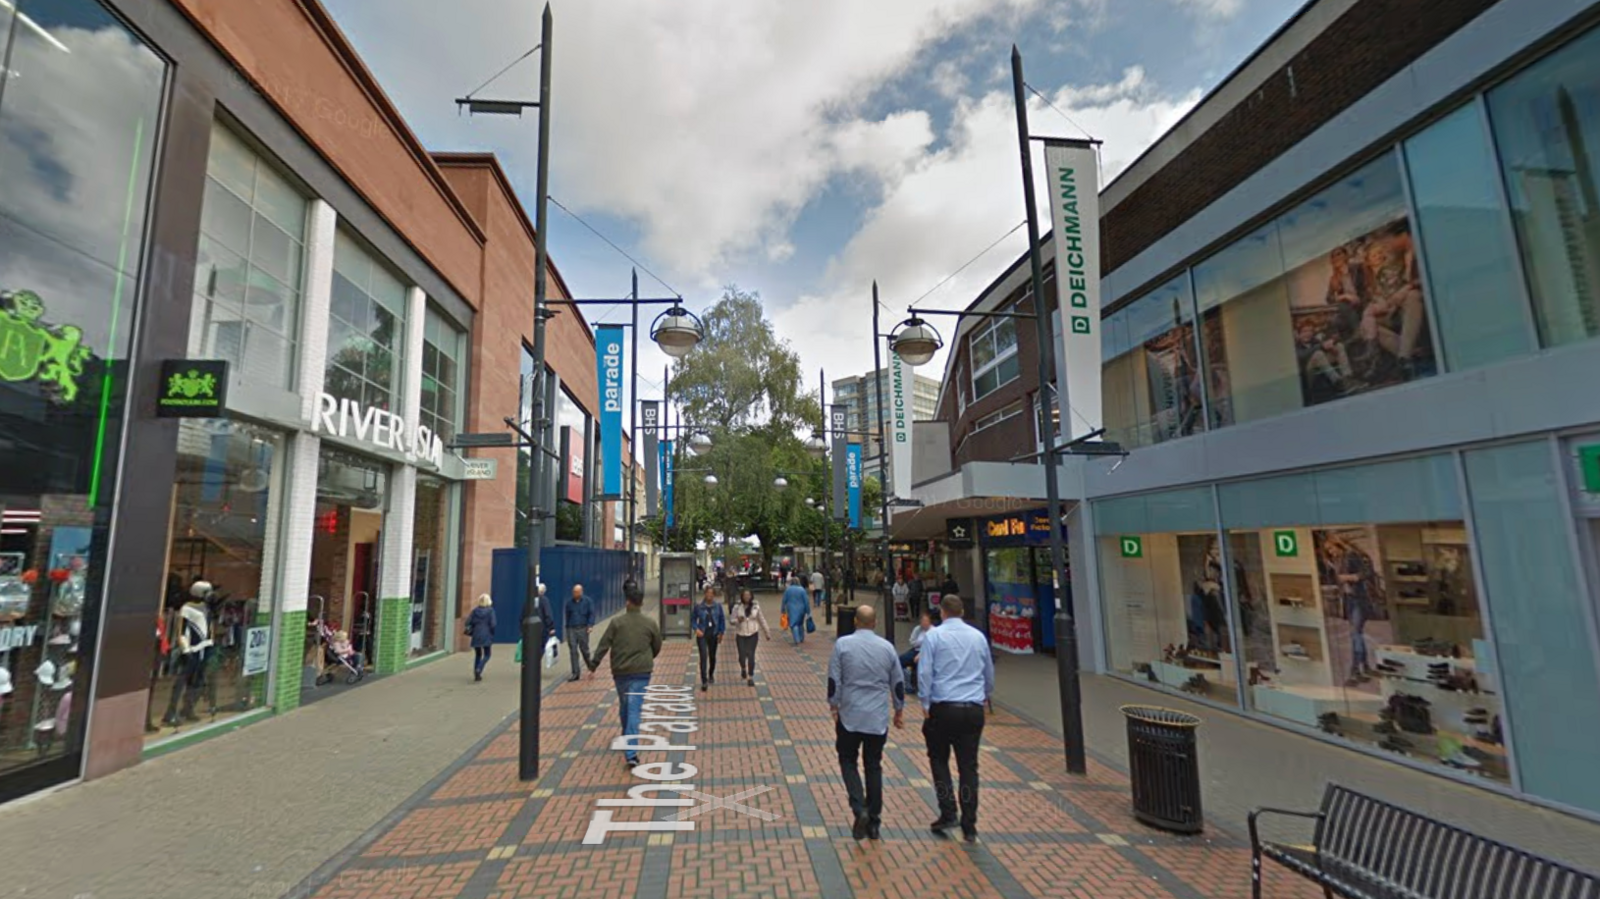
x=479, y=833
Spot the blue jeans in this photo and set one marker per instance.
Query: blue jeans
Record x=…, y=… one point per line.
x=630, y=702
x=1359, y=613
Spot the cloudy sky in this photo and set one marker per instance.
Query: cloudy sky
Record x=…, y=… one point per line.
x=799, y=149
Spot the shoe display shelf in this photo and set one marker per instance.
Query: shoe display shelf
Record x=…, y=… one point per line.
x=1446, y=708
x=1222, y=671
x=1306, y=704
x=1362, y=728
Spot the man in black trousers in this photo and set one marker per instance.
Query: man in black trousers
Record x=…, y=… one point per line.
x=955, y=674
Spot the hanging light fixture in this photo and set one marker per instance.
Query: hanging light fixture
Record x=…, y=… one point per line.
x=816, y=446
x=711, y=480
x=780, y=482
x=700, y=442
x=915, y=341
x=677, y=331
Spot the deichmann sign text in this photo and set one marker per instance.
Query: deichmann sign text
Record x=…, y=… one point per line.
x=385, y=430
x=899, y=429
x=608, y=362
x=1075, y=208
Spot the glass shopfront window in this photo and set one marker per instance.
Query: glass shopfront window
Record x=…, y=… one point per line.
x=433, y=581
x=1547, y=124
x=1359, y=612
x=1466, y=236
x=352, y=511
x=214, y=632
x=366, y=328
x=80, y=111
x=1152, y=378
x=443, y=349
x=1325, y=302
x=1161, y=582
x=569, y=486
x=249, y=276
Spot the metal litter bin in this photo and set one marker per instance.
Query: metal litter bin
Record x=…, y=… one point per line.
x=1164, y=767
x=846, y=617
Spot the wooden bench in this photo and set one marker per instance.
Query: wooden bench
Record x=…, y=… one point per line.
x=1365, y=848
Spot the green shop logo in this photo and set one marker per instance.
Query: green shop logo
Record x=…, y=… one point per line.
x=1285, y=543
x=1132, y=547
x=192, y=388
x=33, y=349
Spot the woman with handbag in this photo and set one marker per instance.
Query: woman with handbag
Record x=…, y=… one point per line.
x=480, y=627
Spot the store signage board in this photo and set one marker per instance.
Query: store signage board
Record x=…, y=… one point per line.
x=480, y=469
x=1286, y=544
x=958, y=532
x=1589, y=465
x=1072, y=170
x=257, y=650
x=383, y=430
x=1031, y=528
x=192, y=388
x=608, y=366
x=1132, y=547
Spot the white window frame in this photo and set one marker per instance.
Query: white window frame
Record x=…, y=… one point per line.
x=986, y=331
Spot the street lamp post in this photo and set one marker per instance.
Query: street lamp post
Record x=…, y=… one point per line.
x=885, y=593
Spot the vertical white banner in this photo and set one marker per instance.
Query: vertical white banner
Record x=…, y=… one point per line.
x=899, y=426
x=1073, y=185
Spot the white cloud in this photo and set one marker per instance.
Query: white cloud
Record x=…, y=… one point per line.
x=952, y=204
x=1221, y=9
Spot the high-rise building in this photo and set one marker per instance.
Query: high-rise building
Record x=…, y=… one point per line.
x=866, y=413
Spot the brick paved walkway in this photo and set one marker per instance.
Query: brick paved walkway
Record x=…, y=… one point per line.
x=478, y=833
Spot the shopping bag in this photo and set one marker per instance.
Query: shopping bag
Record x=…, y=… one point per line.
x=811, y=625
x=550, y=646
x=518, y=659
x=783, y=620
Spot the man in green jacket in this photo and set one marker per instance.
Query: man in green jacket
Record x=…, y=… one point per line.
x=633, y=641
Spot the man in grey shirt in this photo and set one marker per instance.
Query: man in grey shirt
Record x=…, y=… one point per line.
x=863, y=673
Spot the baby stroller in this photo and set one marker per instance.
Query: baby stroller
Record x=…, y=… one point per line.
x=333, y=662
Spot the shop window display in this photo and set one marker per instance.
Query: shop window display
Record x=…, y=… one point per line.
x=1323, y=303
x=79, y=121
x=1152, y=377
x=342, y=613
x=214, y=631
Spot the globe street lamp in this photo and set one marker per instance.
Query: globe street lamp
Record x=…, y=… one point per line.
x=915, y=341
x=780, y=482
x=677, y=331
x=816, y=447
x=700, y=442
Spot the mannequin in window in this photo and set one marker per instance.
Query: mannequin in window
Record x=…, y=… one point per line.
x=171, y=599
x=194, y=649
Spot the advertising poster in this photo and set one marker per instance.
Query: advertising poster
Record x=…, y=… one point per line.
x=1205, y=603
x=1358, y=317
x=608, y=366
x=1011, y=601
x=853, y=482
x=1073, y=186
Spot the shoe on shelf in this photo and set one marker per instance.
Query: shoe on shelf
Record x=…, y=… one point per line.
x=1459, y=759
x=1385, y=727
x=1297, y=652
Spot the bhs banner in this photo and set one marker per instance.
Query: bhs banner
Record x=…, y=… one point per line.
x=853, y=479
x=1074, y=188
x=649, y=418
x=608, y=361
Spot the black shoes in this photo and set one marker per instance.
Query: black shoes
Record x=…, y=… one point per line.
x=572, y=678
x=1197, y=685
x=970, y=834
x=944, y=823
x=751, y=681
x=860, y=828
x=872, y=832
x=1329, y=723
x=704, y=686
x=477, y=676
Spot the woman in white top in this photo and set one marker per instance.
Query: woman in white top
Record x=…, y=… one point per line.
x=908, y=659
x=748, y=626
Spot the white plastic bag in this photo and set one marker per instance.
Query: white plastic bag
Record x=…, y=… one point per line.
x=550, y=647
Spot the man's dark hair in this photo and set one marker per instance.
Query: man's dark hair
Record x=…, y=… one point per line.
x=634, y=599
x=951, y=605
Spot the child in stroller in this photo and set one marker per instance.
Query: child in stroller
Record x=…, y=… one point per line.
x=339, y=654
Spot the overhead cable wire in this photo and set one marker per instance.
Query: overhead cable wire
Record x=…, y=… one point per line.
x=609, y=242
x=504, y=70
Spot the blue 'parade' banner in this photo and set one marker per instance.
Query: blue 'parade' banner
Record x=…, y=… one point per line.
x=666, y=480
x=852, y=474
x=608, y=362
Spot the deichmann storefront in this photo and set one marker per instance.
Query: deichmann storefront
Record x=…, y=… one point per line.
x=1421, y=607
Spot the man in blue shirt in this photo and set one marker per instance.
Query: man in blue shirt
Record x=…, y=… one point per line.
x=708, y=623
x=580, y=617
x=863, y=672
x=797, y=606
x=955, y=675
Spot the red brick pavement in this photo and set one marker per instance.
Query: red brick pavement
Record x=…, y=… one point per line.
x=483, y=834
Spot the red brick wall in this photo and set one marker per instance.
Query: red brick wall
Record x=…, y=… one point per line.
x=1358, y=52
x=1015, y=436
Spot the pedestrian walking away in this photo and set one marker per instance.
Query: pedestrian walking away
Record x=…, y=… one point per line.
x=863, y=680
x=580, y=618
x=949, y=585
x=633, y=642
x=480, y=627
x=818, y=587
x=708, y=623
x=748, y=627
x=797, y=606
x=956, y=674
